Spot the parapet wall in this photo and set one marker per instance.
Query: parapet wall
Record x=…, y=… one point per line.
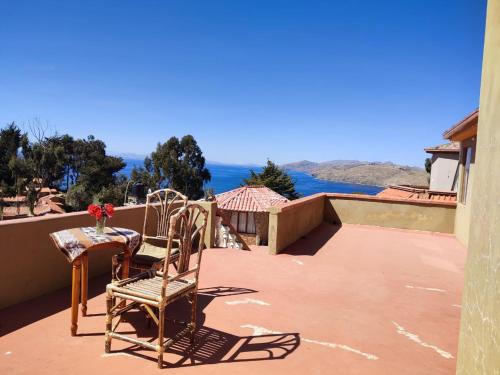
x=418, y=214
x=290, y=222
x=31, y=265
x=297, y=218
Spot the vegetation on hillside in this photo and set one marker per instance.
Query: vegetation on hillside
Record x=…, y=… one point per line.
x=275, y=179
x=81, y=166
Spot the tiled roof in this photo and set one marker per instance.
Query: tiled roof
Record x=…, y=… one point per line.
x=249, y=199
x=409, y=192
x=451, y=147
x=469, y=120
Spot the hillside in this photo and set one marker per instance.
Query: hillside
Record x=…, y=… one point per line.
x=359, y=172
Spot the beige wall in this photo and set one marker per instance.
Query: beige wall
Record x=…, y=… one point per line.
x=31, y=265
x=294, y=220
x=392, y=213
x=479, y=344
x=289, y=223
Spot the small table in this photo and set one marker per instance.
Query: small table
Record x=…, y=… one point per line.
x=75, y=243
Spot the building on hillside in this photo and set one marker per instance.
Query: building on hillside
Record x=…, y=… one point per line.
x=50, y=202
x=245, y=211
x=417, y=193
x=444, y=172
x=465, y=133
x=443, y=180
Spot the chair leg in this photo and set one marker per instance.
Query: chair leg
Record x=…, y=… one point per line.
x=161, y=328
x=194, y=301
x=109, y=322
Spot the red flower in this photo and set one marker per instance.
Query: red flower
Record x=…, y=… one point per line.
x=95, y=211
x=100, y=211
x=109, y=209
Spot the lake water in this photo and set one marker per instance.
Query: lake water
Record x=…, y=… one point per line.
x=227, y=177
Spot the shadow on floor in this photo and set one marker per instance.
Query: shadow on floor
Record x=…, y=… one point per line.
x=312, y=242
x=22, y=314
x=212, y=346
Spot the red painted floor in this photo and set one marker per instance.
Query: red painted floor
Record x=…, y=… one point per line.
x=360, y=300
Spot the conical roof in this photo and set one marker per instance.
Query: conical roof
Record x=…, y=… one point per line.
x=250, y=199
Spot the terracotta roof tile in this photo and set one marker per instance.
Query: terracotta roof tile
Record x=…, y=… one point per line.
x=451, y=147
x=408, y=192
x=250, y=199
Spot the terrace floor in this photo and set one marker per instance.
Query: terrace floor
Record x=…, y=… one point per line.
x=358, y=300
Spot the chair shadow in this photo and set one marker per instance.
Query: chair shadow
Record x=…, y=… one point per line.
x=312, y=242
x=212, y=346
x=223, y=291
x=177, y=311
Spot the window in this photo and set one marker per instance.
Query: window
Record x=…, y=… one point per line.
x=243, y=222
x=466, y=161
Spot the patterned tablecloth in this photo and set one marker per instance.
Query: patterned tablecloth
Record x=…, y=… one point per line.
x=75, y=241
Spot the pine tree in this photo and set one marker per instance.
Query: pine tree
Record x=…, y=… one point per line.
x=275, y=179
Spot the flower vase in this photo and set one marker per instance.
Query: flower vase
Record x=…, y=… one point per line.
x=99, y=226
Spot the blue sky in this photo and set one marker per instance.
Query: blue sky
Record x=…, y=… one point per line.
x=288, y=80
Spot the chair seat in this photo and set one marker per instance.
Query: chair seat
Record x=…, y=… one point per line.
x=150, y=254
x=150, y=287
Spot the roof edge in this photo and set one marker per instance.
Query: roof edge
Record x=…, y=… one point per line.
x=459, y=126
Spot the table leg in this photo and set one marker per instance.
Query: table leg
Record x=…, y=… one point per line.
x=85, y=282
x=126, y=264
x=125, y=270
x=75, y=295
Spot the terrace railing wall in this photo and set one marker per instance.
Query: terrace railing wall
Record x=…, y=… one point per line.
x=30, y=264
x=296, y=219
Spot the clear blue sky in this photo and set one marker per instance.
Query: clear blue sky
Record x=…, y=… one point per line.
x=288, y=80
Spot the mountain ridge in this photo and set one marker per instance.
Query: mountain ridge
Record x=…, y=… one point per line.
x=362, y=172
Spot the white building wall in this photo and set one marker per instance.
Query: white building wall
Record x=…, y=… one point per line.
x=444, y=172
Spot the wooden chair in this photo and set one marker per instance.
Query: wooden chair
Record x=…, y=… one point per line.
x=151, y=252
x=153, y=290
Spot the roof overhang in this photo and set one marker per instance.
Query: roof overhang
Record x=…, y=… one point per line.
x=441, y=151
x=467, y=128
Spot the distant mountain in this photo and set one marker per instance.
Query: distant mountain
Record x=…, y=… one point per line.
x=361, y=172
x=128, y=155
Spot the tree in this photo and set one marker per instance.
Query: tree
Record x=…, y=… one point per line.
x=94, y=175
x=176, y=164
x=275, y=179
x=78, y=197
x=80, y=166
x=428, y=165
x=11, y=140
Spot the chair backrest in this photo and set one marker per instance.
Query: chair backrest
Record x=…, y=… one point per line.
x=188, y=227
x=166, y=203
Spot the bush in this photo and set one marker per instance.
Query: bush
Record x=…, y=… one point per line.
x=78, y=198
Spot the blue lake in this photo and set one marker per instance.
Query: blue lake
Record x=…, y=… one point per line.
x=226, y=177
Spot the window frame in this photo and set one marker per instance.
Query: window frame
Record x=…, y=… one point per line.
x=467, y=156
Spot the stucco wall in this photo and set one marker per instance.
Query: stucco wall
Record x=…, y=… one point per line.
x=393, y=213
x=479, y=344
x=289, y=223
x=30, y=263
x=462, y=223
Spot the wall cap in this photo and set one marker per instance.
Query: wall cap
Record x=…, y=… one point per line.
x=373, y=198
x=296, y=203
